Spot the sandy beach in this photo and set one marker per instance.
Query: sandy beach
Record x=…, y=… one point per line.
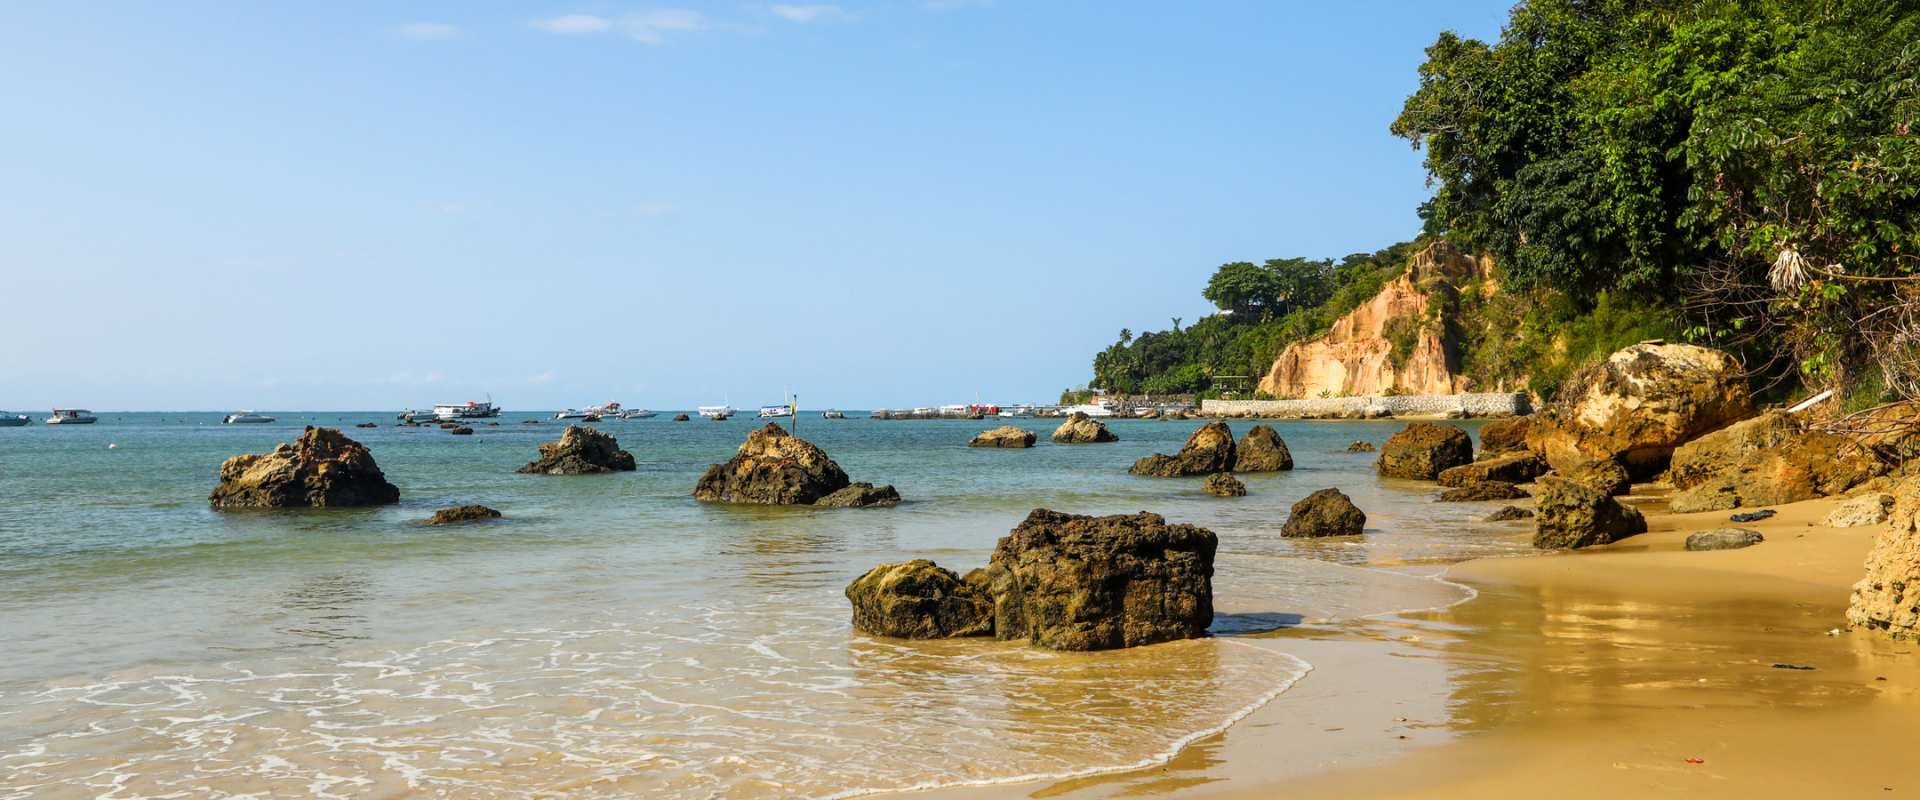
x=1632, y=670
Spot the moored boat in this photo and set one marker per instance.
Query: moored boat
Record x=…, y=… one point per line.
x=13, y=420
x=716, y=413
x=637, y=413
x=467, y=410
x=571, y=413
x=72, y=416
x=775, y=411
x=246, y=418
x=833, y=413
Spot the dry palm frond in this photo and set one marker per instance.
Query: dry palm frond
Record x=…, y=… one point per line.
x=1789, y=270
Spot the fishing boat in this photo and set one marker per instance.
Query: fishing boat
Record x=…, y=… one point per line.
x=13, y=420
x=716, y=413
x=466, y=410
x=246, y=418
x=774, y=412
x=833, y=413
x=72, y=416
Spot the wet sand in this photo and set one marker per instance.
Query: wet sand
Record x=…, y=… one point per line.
x=1592, y=674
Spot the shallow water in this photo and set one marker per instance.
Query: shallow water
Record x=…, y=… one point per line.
x=612, y=636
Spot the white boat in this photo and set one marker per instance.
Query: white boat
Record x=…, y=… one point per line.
x=637, y=413
x=572, y=413
x=716, y=412
x=466, y=410
x=773, y=412
x=13, y=420
x=1089, y=409
x=833, y=413
x=72, y=416
x=246, y=418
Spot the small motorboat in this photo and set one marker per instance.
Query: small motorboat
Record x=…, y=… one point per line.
x=833, y=413
x=773, y=412
x=246, y=418
x=13, y=420
x=72, y=416
x=572, y=413
x=716, y=413
x=637, y=413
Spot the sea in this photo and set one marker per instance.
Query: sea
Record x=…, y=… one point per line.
x=611, y=636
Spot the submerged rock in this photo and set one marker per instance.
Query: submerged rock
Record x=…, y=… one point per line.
x=368, y=425
x=323, y=469
x=1870, y=509
x=1511, y=468
x=1328, y=512
x=1503, y=436
x=458, y=514
x=1483, y=490
x=1888, y=598
x=1003, y=436
x=919, y=600
x=1640, y=404
x=1222, y=484
x=580, y=451
x=1360, y=447
x=1207, y=451
x=1573, y=515
x=1509, y=513
x=1422, y=450
x=460, y=430
x=861, y=495
x=681, y=418
x=1262, y=450
x=1071, y=582
x=1724, y=539
x=774, y=467
x=1082, y=429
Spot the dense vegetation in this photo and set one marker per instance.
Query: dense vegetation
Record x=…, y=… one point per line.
x=1745, y=174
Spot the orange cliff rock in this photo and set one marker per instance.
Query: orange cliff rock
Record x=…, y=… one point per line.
x=1356, y=357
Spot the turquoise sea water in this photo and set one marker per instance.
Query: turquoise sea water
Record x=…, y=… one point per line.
x=612, y=635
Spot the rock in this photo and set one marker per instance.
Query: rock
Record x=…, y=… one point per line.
x=1483, y=490
x=367, y=425
x=1222, y=484
x=1604, y=474
x=1508, y=513
x=457, y=514
x=1071, y=582
x=1507, y=435
x=1422, y=450
x=1724, y=539
x=529, y=422
x=1702, y=459
x=1753, y=516
x=1520, y=467
x=1207, y=451
x=461, y=431
x=919, y=600
x=774, y=467
x=1262, y=450
x=1003, y=436
x=1871, y=509
x=861, y=495
x=323, y=469
x=1082, y=429
x=1887, y=599
x=1360, y=447
x=1572, y=514
x=1328, y=512
x=1810, y=464
x=1640, y=404
x=680, y=418
x=580, y=451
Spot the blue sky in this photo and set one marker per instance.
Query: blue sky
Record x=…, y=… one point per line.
x=380, y=205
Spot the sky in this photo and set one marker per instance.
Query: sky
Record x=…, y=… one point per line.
x=360, y=205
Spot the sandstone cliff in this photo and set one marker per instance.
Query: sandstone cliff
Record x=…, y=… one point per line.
x=1356, y=356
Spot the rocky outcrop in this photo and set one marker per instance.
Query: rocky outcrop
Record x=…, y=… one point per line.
x=1887, y=600
x=1572, y=515
x=1603, y=474
x=1071, y=582
x=861, y=495
x=774, y=467
x=919, y=600
x=1082, y=429
x=1422, y=450
x=1221, y=484
x=1508, y=514
x=1520, y=467
x=1356, y=356
x=1724, y=539
x=323, y=469
x=1262, y=450
x=1810, y=464
x=1483, y=491
x=1703, y=459
x=1207, y=451
x=1507, y=435
x=460, y=514
x=1640, y=404
x=580, y=451
x=1003, y=436
x=1328, y=512
x=1868, y=509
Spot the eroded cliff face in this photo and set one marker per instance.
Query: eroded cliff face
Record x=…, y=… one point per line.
x=1356, y=357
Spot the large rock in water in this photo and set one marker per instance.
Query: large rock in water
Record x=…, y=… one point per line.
x=462, y=514
x=1888, y=598
x=1640, y=404
x=920, y=600
x=1262, y=450
x=580, y=451
x=1572, y=514
x=1207, y=451
x=1504, y=436
x=1071, y=582
x=1421, y=451
x=1223, y=484
x=773, y=467
x=1328, y=512
x=1082, y=429
x=1003, y=436
x=860, y=495
x=323, y=469
x=1808, y=465
x=1519, y=467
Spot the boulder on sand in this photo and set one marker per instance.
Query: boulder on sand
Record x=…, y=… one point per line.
x=1810, y=464
x=1868, y=509
x=1328, y=512
x=1520, y=467
x=1003, y=436
x=1702, y=459
x=1640, y=404
x=580, y=451
x=1207, y=451
x=1082, y=429
x=774, y=467
x=1262, y=450
x=1888, y=598
x=860, y=495
x=1071, y=582
x=323, y=469
x=1223, y=484
x=1422, y=450
x=1508, y=435
x=1572, y=515
x=458, y=514
x=1483, y=490
x=920, y=600
x=1604, y=474
x=1724, y=539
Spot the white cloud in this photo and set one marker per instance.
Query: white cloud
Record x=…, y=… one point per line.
x=651, y=27
x=574, y=24
x=542, y=378
x=428, y=31
x=809, y=13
